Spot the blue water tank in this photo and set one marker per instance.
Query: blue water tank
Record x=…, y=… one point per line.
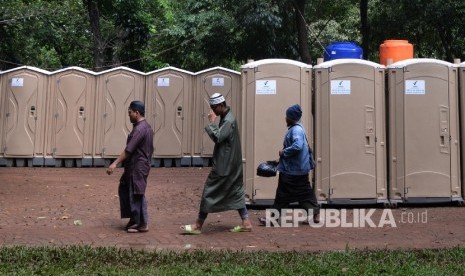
x=338, y=50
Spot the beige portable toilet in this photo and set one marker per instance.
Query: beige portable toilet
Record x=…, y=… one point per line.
x=207, y=82
x=461, y=68
x=350, y=138
x=269, y=87
x=70, y=122
x=24, y=112
x=2, y=118
x=116, y=89
x=424, y=163
x=170, y=112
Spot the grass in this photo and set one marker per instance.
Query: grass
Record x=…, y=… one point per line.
x=86, y=260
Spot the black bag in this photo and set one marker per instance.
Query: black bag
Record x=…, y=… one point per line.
x=267, y=168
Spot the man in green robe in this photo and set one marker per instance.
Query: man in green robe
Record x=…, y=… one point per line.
x=224, y=188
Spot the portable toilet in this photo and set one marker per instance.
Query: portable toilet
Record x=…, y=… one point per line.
x=207, y=82
x=342, y=50
x=169, y=110
x=24, y=111
x=350, y=137
x=461, y=68
x=2, y=114
x=70, y=122
x=269, y=87
x=116, y=89
x=424, y=159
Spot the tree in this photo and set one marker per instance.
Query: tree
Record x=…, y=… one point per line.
x=98, y=42
x=434, y=27
x=42, y=34
x=302, y=31
x=364, y=28
x=120, y=31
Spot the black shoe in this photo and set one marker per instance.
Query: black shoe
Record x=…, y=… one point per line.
x=262, y=222
x=131, y=224
x=316, y=218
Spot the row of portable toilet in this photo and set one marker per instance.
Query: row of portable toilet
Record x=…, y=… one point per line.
x=380, y=134
x=75, y=117
x=371, y=146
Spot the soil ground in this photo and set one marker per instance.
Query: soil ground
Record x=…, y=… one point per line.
x=79, y=206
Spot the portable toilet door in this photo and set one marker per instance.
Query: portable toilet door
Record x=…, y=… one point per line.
x=461, y=68
x=350, y=132
x=2, y=118
x=269, y=87
x=169, y=108
x=24, y=111
x=424, y=132
x=71, y=120
x=207, y=82
x=116, y=89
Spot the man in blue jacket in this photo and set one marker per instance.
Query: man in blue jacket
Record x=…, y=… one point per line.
x=294, y=168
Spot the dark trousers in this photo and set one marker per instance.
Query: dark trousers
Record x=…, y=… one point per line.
x=295, y=188
x=132, y=206
x=306, y=205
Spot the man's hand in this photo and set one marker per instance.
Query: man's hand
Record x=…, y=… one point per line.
x=111, y=168
x=211, y=116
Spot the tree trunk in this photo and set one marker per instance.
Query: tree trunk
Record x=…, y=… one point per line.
x=99, y=44
x=364, y=28
x=299, y=6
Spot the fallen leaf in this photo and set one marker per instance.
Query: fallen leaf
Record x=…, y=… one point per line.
x=77, y=222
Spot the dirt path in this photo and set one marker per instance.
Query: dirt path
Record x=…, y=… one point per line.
x=67, y=206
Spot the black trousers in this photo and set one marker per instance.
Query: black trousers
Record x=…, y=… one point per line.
x=295, y=188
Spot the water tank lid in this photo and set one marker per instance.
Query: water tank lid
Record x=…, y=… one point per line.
x=407, y=62
x=344, y=44
x=331, y=63
x=396, y=41
x=275, y=61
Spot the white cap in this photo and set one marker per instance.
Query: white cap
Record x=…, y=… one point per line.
x=216, y=98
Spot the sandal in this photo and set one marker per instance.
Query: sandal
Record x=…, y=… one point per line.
x=189, y=230
x=131, y=224
x=239, y=228
x=139, y=229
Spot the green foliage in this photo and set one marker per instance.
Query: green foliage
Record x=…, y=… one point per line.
x=330, y=22
x=86, y=260
x=434, y=27
x=198, y=34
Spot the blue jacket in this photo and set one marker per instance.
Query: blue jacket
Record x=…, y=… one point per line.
x=295, y=158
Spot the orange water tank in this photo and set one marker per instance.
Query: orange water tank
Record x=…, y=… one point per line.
x=396, y=50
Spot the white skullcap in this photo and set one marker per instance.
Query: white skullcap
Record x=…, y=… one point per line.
x=216, y=98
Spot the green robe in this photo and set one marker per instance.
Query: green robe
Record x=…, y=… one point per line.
x=224, y=188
